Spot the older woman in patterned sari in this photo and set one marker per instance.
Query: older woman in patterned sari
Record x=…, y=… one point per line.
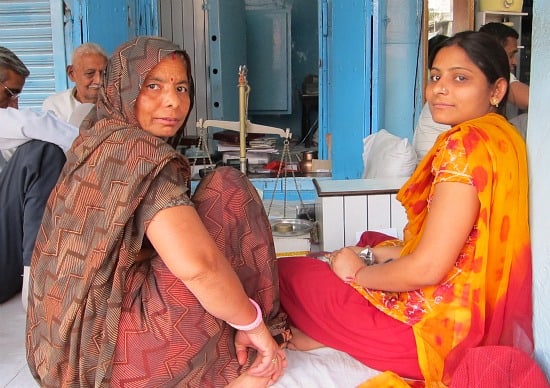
x=132, y=283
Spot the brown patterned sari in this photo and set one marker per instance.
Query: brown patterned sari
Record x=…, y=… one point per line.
x=104, y=310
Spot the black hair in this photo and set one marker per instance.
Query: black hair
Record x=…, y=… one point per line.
x=433, y=43
x=485, y=52
x=10, y=61
x=500, y=31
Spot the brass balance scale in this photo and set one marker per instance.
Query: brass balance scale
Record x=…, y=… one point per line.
x=281, y=227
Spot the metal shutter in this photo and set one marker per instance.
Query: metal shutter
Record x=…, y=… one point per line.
x=34, y=31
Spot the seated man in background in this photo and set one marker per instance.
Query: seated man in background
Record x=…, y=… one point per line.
x=26, y=180
x=86, y=71
x=518, y=94
x=12, y=78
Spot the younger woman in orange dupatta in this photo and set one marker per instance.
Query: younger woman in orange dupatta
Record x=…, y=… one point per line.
x=462, y=276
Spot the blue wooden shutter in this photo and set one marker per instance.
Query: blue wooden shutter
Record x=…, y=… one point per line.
x=33, y=30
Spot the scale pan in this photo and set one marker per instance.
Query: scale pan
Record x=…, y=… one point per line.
x=285, y=227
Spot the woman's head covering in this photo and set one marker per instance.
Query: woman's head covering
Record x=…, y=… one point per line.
x=126, y=70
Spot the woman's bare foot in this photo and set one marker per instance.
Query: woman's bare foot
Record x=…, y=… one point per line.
x=301, y=341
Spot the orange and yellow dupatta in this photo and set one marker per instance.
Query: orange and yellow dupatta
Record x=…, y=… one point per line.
x=486, y=298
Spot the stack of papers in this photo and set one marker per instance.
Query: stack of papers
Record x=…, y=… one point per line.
x=266, y=145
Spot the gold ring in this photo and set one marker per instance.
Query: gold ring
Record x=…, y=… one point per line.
x=274, y=360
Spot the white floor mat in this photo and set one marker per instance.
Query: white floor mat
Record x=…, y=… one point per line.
x=323, y=368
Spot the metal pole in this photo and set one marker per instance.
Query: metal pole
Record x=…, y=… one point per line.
x=243, y=86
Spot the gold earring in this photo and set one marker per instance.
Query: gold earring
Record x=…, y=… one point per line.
x=494, y=102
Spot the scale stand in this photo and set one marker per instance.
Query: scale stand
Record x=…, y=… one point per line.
x=244, y=126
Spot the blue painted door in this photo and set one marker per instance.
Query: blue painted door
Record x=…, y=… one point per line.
x=345, y=83
x=369, y=76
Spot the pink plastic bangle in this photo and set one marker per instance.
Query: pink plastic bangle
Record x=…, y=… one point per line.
x=253, y=325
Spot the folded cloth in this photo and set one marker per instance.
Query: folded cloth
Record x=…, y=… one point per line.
x=323, y=367
x=498, y=366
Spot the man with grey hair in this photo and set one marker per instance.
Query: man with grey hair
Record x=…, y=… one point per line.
x=86, y=71
x=13, y=74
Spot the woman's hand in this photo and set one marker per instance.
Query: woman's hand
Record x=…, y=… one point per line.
x=270, y=359
x=346, y=262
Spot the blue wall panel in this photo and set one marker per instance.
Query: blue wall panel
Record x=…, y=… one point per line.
x=227, y=48
x=403, y=50
x=269, y=60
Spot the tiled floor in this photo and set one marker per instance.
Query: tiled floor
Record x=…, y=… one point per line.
x=14, y=372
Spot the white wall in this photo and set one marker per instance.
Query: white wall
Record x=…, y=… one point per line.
x=538, y=143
